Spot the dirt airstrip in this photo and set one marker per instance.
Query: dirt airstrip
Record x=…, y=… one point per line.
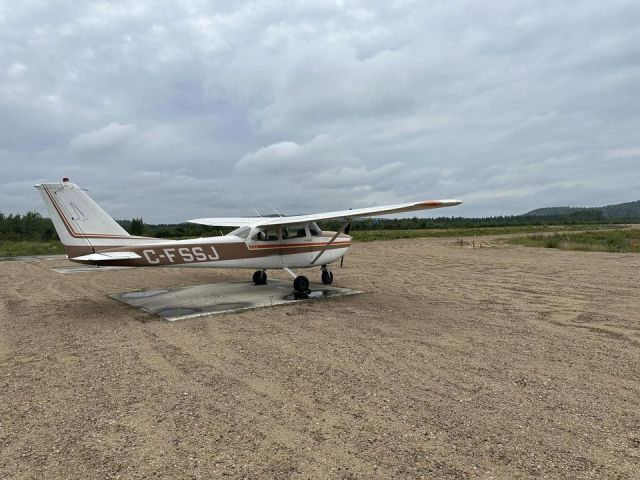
x=499, y=362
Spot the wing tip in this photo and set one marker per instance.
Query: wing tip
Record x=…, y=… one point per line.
x=449, y=202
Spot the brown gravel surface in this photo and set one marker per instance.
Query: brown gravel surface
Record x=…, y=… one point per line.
x=500, y=362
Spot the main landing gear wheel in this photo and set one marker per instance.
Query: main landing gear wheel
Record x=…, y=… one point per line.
x=327, y=276
x=301, y=284
x=260, y=277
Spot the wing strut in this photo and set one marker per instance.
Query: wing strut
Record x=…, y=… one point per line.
x=342, y=229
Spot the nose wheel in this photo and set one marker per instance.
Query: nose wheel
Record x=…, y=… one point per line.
x=327, y=276
x=301, y=287
x=301, y=284
x=260, y=277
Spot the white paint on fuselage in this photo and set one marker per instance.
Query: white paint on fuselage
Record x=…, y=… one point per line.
x=295, y=260
x=278, y=260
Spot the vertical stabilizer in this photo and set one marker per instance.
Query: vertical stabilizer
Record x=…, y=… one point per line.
x=79, y=221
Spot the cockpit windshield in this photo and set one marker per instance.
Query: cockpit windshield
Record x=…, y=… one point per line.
x=314, y=229
x=242, y=232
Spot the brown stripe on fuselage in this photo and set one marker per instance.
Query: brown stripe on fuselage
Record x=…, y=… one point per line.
x=182, y=254
x=295, y=245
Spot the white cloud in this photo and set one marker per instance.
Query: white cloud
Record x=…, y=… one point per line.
x=16, y=69
x=288, y=157
x=110, y=139
x=624, y=153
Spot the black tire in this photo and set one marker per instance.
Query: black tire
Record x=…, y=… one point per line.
x=327, y=277
x=301, y=284
x=260, y=277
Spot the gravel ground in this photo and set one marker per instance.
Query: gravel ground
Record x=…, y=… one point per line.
x=495, y=362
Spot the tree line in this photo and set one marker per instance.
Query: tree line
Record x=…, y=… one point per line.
x=582, y=217
x=32, y=226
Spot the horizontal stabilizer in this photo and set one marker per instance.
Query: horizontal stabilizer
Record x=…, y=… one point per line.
x=105, y=257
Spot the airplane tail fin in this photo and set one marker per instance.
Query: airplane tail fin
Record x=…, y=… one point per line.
x=79, y=221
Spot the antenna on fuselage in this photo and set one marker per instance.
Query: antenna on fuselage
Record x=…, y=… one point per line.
x=257, y=212
x=273, y=208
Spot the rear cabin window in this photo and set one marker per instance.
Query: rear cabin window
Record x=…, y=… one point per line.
x=293, y=231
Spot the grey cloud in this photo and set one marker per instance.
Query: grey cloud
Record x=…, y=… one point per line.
x=208, y=107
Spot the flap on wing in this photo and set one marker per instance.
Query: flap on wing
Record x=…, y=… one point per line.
x=228, y=222
x=105, y=257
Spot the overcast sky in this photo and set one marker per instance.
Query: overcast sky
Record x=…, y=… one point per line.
x=177, y=110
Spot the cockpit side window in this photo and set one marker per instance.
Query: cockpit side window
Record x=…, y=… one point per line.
x=266, y=235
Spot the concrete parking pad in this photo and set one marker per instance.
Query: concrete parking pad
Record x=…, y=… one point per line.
x=198, y=300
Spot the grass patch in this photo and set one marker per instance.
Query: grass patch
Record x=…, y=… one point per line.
x=14, y=248
x=372, y=235
x=625, y=241
x=10, y=248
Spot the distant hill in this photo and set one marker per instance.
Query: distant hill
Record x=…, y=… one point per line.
x=629, y=210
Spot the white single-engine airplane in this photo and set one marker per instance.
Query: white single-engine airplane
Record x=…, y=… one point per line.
x=91, y=236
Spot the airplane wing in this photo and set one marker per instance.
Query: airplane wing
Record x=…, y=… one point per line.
x=104, y=257
x=228, y=221
x=346, y=214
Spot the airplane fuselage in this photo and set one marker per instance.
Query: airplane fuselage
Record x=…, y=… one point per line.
x=226, y=251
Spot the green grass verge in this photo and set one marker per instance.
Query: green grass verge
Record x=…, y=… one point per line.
x=10, y=248
x=625, y=241
x=372, y=235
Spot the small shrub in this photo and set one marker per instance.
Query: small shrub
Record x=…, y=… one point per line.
x=552, y=241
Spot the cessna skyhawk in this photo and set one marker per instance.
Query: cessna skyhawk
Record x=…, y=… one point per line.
x=91, y=236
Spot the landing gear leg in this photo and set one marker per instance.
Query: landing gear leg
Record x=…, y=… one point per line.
x=327, y=276
x=260, y=277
